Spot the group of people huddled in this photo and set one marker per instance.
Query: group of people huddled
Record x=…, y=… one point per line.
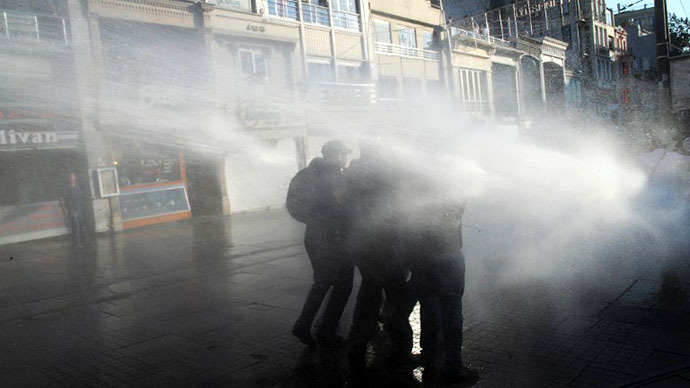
x=402, y=230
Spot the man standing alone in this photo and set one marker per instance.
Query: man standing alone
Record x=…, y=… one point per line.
x=71, y=204
x=315, y=197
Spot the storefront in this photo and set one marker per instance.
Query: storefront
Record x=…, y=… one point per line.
x=256, y=77
x=152, y=183
x=40, y=136
x=154, y=117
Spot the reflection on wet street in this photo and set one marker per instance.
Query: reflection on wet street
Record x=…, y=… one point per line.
x=210, y=302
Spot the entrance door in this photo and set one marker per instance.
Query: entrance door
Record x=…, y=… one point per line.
x=203, y=185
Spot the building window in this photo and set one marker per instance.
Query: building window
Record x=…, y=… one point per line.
x=473, y=90
x=566, y=7
x=282, y=8
x=567, y=36
x=604, y=70
x=345, y=15
x=320, y=72
x=407, y=37
x=253, y=65
x=382, y=31
x=243, y=5
x=349, y=74
x=345, y=6
x=428, y=41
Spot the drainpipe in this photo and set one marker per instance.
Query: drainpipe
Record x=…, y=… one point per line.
x=334, y=63
x=302, y=42
x=364, y=22
x=515, y=17
x=449, y=41
x=529, y=15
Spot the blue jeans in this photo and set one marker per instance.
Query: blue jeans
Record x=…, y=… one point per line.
x=76, y=225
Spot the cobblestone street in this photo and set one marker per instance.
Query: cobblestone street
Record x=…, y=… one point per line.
x=210, y=302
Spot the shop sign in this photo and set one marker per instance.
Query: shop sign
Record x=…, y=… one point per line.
x=253, y=27
x=17, y=139
x=258, y=115
x=36, y=219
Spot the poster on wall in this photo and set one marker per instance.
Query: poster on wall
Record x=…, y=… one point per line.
x=107, y=182
x=31, y=221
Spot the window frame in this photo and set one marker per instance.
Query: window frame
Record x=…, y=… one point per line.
x=377, y=33
x=255, y=52
x=405, y=30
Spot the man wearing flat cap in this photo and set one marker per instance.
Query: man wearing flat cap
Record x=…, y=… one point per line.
x=315, y=197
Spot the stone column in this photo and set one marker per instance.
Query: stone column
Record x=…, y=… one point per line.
x=86, y=48
x=542, y=82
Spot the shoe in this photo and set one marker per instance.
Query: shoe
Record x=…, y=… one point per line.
x=331, y=341
x=463, y=375
x=304, y=336
x=429, y=376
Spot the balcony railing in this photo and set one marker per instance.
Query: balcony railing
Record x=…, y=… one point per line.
x=283, y=8
x=314, y=14
x=404, y=51
x=346, y=21
x=475, y=106
x=496, y=41
x=350, y=94
x=19, y=25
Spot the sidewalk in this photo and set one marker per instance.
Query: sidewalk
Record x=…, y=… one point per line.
x=210, y=302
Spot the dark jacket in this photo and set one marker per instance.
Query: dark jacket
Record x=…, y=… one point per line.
x=322, y=196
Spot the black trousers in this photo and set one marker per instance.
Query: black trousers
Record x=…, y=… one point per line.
x=439, y=283
x=381, y=274
x=332, y=269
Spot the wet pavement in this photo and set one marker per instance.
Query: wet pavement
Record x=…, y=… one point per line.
x=210, y=302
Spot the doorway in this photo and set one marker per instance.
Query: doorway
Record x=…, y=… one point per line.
x=203, y=185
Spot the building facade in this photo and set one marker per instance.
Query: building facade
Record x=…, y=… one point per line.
x=169, y=109
x=594, y=46
x=41, y=137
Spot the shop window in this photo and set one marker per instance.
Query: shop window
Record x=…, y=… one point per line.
x=36, y=176
x=407, y=37
x=253, y=65
x=382, y=31
x=320, y=72
x=142, y=165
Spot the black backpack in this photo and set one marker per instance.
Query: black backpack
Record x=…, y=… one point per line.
x=300, y=196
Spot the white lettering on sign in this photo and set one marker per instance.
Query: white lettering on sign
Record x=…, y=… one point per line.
x=254, y=28
x=13, y=137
